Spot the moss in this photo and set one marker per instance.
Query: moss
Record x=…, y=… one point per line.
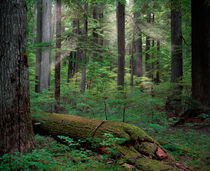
x=147, y=148
x=153, y=165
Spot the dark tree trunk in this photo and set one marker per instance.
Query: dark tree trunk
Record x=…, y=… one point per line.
x=138, y=48
x=121, y=43
x=95, y=34
x=148, y=65
x=132, y=57
x=71, y=66
x=83, y=81
x=176, y=42
x=201, y=51
x=16, y=134
x=33, y=25
x=157, y=79
x=153, y=46
x=58, y=55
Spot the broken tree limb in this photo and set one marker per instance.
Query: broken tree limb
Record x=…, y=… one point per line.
x=139, y=149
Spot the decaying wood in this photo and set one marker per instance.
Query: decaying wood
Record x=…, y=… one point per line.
x=139, y=149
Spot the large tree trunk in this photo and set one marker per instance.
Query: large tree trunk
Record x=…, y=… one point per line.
x=58, y=55
x=201, y=51
x=121, y=43
x=16, y=134
x=43, y=65
x=138, y=149
x=46, y=51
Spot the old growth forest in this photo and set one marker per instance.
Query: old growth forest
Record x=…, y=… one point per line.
x=105, y=85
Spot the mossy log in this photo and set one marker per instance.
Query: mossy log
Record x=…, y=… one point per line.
x=139, y=149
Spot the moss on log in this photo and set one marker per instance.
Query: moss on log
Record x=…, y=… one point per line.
x=139, y=149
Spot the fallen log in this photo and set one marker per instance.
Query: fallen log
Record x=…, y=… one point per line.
x=138, y=149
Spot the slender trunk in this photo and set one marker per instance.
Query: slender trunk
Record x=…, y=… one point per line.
x=84, y=60
x=153, y=46
x=157, y=80
x=16, y=133
x=201, y=51
x=121, y=43
x=176, y=42
x=148, y=65
x=138, y=44
x=58, y=55
x=33, y=25
x=132, y=54
x=95, y=34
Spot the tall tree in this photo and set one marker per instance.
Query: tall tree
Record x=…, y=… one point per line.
x=138, y=48
x=157, y=79
x=58, y=55
x=83, y=81
x=121, y=43
x=176, y=42
x=16, y=134
x=148, y=65
x=201, y=51
x=95, y=33
x=44, y=35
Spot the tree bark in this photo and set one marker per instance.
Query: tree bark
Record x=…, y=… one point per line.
x=121, y=43
x=138, y=149
x=95, y=34
x=201, y=51
x=58, y=55
x=148, y=65
x=16, y=134
x=84, y=60
x=176, y=42
x=138, y=44
x=157, y=79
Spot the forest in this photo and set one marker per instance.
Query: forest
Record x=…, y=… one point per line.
x=105, y=85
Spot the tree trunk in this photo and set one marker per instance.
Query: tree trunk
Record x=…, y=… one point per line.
x=138, y=44
x=58, y=55
x=33, y=24
x=148, y=65
x=176, y=42
x=138, y=149
x=201, y=51
x=153, y=46
x=43, y=65
x=38, y=41
x=16, y=134
x=121, y=43
x=95, y=34
x=84, y=60
x=157, y=79
x=46, y=51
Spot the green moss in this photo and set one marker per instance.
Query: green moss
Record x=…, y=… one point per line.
x=147, y=148
x=153, y=165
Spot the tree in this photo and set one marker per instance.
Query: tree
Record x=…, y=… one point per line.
x=138, y=44
x=176, y=42
x=148, y=65
x=16, y=134
x=200, y=51
x=83, y=79
x=121, y=43
x=58, y=55
x=44, y=35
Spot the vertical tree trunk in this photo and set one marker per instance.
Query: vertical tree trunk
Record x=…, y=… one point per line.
x=201, y=51
x=95, y=34
x=157, y=79
x=83, y=81
x=58, y=55
x=138, y=44
x=38, y=41
x=121, y=43
x=33, y=24
x=153, y=46
x=148, y=65
x=16, y=134
x=46, y=50
x=176, y=42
